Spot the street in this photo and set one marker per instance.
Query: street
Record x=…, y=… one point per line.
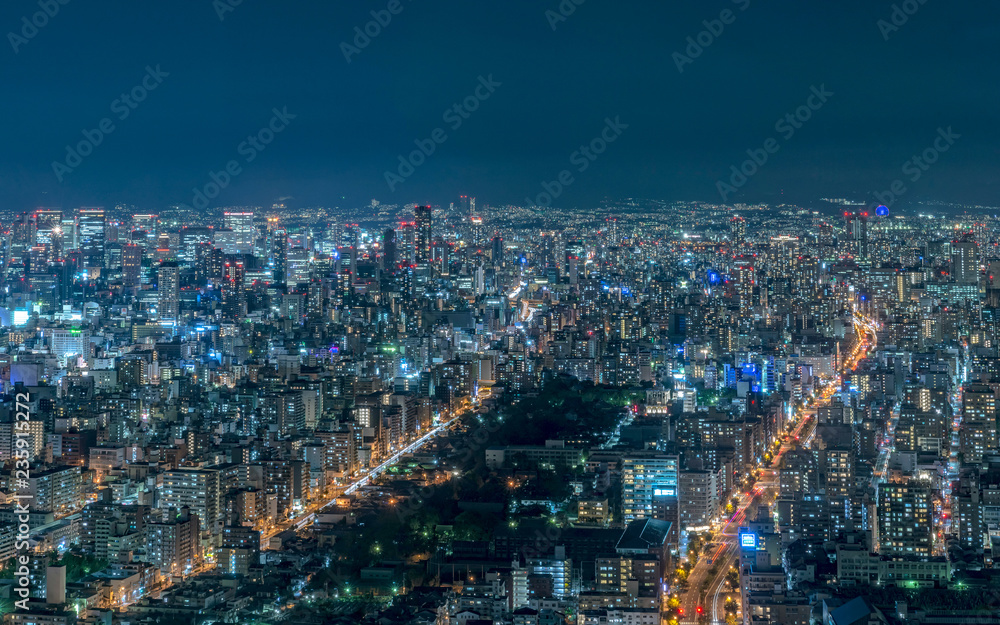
x=694, y=602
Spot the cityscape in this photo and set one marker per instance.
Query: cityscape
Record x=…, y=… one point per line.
x=735, y=360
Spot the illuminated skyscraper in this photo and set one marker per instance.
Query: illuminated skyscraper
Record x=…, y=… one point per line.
x=146, y=223
x=48, y=223
x=49, y=233
x=406, y=243
x=172, y=545
x=979, y=422
x=91, y=242
x=647, y=477
x=478, y=234
x=197, y=489
x=422, y=216
x=279, y=242
x=241, y=223
x=965, y=261
x=131, y=265
x=968, y=509
x=783, y=256
x=826, y=234
x=746, y=280
x=904, y=519
x=738, y=234
x=22, y=237
x=168, y=286
x=857, y=232
x=576, y=256
x=234, y=301
x=612, y=229
x=273, y=225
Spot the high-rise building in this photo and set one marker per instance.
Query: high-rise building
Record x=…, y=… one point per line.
x=211, y=264
x=198, y=489
x=146, y=223
x=168, y=286
x=22, y=237
x=835, y=460
x=389, y=250
x=979, y=422
x=48, y=230
x=857, y=232
x=234, y=301
x=496, y=253
x=422, y=216
x=745, y=272
x=131, y=265
x=240, y=550
x=406, y=243
x=904, y=519
x=611, y=229
x=90, y=222
x=647, y=477
x=738, y=234
x=190, y=238
x=478, y=231
x=59, y=489
x=279, y=241
x=173, y=544
x=299, y=263
x=634, y=575
x=968, y=510
x=241, y=223
x=826, y=234
x=965, y=261
x=273, y=224
x=699, y=499
x=783, y=256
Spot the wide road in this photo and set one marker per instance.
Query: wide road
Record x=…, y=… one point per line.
x=306, y=517
x=694, y=602
x=726, y=556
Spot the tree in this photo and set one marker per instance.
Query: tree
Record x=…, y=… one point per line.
x=733, y=578
x=471, y=525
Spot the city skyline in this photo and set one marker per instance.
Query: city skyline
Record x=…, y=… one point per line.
x=529, y=313
x=692, y=110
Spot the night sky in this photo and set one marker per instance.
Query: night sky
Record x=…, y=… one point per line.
x=557, y=87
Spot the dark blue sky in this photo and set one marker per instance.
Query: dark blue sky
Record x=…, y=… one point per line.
x=607, y=59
